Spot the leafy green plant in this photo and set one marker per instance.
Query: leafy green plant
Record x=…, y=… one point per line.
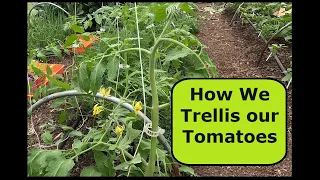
x=168, y=54
x=274, y=48
x=178, y=62
x=288, y=77
x=47, y=51
x=45, y=26
x=273, y=21
x=262, y=15
x=56, y=83
x=83, y=10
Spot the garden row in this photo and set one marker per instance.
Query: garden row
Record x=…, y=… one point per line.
x=272, y=21
x=125, y=59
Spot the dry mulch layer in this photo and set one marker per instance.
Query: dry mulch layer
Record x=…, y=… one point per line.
x=235, y=49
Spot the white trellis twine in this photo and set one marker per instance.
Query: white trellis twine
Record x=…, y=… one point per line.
x=140, y=58
x=149, y=132
x=145, y=126
x=118, y=73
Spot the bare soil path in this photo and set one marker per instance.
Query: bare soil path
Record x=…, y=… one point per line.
x=234, y=49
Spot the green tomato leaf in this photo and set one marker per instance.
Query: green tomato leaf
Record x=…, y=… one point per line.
x=136, y=160
x=47, y=137
x=75, y=133
x=90, y=171
x=37, y=71
x=104, y=163
x=176, y=54
x=113, y=66
x=41, y=56
x=77, y=29
x=77, y=144
x=70, y=40
x=98, y=18
x=57, y=103
x=66, y=128
x=58, y=83
x=37, y=93
x=145, y=144
x=101, y=147
x=66, y=51
x=84, y=80
x=160, y=13
x=129, y=137
x=59, y=167
x=194, y=75
x=186, y=169
x=86, y=38
x=56, y=51
x=287, y=77
x=96, y=77
x=176, y=64
x=86, y=24
x=48, y=70
x=186, y=8
x=112, y=147
x=123, y=166
x=288, y=38
x=38, y=160
x=62, y=117
x=136, y=172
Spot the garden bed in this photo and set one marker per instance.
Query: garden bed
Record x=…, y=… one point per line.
x=237, y=48
x=111, y=68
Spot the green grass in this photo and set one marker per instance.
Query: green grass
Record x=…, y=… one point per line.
x=45, y=26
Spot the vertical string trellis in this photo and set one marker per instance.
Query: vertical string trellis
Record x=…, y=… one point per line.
x=140, y=58
x=74, y=58
x=118, y=73
x=142, y=81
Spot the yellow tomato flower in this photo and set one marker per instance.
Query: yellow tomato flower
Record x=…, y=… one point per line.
x=119, y=130
x=97, y=109
x=137, y=107
x=105, y=92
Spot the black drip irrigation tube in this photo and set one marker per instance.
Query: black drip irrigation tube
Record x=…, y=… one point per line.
x=271, y=38
x=284, y=71
x=113, y=99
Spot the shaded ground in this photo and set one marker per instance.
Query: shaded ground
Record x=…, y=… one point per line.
x=235, y=49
